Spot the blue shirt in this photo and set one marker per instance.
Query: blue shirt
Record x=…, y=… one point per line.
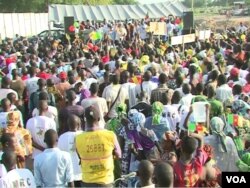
x=53, y=168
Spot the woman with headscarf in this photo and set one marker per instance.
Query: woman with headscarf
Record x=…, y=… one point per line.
x=157, y=122
x=225, y=152
x=23, y=147
x=139, y=143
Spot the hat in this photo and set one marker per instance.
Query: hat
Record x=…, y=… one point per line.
x=234, y=71
x=63, y=75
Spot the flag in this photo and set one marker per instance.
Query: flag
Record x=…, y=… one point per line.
x=191, y=127
x=237, y=121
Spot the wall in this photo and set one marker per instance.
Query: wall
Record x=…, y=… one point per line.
x=23, y=24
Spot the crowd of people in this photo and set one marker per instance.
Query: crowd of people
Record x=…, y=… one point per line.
x=84, y=114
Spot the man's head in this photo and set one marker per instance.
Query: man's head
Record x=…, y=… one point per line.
x=6, y=104
x=147, y=76
x=237, y=89
x=41, y=83
x=176, y=97
x=186, y=88
x=32, y=71
x=8, y=141
x=9, y=160
x=222, y=79
x=12, y=97
x=199, y=88
x=164, y=175
x=71, y=95
x=74, y=122
x=163, y=78
x=92, y=116
x=188, y=145
x=50, y=138
x=115, y=79
x=94, y=87
x=124, y=76
x=210, y=91
x=145, y=170
x=42, y=106
x=5, y=82
x=14, y=73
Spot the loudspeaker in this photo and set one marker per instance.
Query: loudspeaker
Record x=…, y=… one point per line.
x=68, y=21
x=188, y=20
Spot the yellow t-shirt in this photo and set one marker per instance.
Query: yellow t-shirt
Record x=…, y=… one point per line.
x=96, y=152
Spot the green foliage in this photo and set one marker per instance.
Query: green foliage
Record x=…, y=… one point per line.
x=11, y=6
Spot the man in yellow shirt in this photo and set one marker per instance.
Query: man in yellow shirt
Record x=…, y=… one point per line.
x=96, y=149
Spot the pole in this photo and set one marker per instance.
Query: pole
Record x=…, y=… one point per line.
x=192, y=6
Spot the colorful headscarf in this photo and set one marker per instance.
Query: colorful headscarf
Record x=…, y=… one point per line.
x=217, y=126
x=241, y=108
x=114, y=124
x=157, y=109
x=137, y=119
x=244, y=163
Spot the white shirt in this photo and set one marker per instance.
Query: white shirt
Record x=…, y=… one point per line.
x=21, y=178
x=53, y=168
x=172, y=116
x=31, y=85
x=110, y=93
x=182, y=111
x=51, y=113
x=147, y=86
x=223, y=93
x=186, y=99
x=100, y=103
x=4, y=92
x=66, y=143
x=37, y=126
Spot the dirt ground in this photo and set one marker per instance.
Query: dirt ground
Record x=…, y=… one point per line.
x=218, y=23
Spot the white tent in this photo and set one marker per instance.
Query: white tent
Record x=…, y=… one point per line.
x=115, y=12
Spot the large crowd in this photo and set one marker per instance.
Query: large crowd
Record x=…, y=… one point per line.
x=85, y=113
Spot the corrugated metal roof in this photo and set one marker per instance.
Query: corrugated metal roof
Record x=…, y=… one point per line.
x=115, y=12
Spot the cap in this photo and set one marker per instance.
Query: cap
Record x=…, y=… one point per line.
x=63, y=75
x=234, y=71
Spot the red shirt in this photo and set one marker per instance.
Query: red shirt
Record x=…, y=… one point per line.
x=246, y=88
x=189, y=175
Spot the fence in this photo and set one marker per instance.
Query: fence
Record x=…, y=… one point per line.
x=23, y=24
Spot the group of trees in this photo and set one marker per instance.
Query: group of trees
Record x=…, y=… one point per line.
x=11, y=6
x=203, y=3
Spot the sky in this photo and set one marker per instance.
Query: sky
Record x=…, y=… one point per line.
x=150, y=1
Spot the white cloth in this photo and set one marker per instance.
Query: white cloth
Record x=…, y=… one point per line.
x=101, y=105
x=66, y=143
x=18, y=178
x=110, y=93
x=53, y=168
x=37, y=126
x=130, y=87
x=172, y=116
x=186, y=99
x=226, y=161
x=223, y=93
x=31, y=85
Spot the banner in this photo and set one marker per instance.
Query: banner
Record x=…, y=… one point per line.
x=158, y=28
x=176, y=40
x=205, y=34
x=189, y=38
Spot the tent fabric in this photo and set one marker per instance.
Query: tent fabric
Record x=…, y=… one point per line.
x=115, y=12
